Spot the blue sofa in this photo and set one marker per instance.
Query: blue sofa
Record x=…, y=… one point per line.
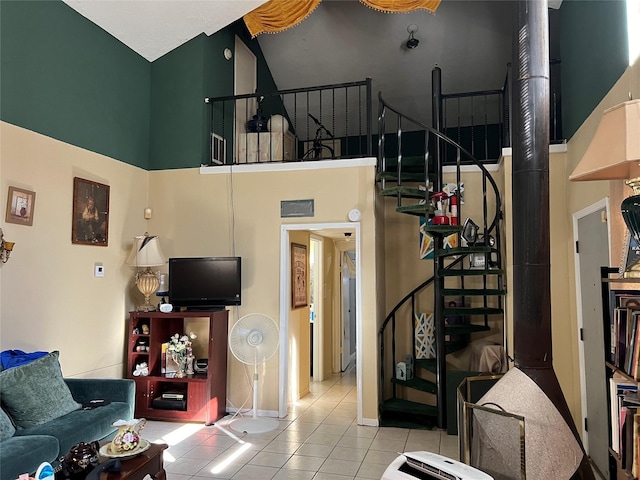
x=30, y=445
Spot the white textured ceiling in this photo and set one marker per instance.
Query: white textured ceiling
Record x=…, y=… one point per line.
x=155, y=27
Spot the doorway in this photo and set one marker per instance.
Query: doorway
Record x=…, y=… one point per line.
x=591, y=233
x=316, y=312
x=347, y=321
x=285, y=296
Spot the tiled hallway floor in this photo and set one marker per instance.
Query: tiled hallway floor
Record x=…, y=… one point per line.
x=318, y=440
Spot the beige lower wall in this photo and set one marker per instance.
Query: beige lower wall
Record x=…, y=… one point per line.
x=239, y=214
x=50, y=299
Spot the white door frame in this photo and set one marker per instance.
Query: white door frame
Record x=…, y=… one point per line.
x=599, y=205
x=285, y=298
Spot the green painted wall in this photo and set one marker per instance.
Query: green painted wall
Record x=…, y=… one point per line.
x=180, y=81
x=66, y=78
x=594, y=52
x=177, y=106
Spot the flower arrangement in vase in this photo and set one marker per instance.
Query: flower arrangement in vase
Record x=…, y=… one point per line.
x=180, y=349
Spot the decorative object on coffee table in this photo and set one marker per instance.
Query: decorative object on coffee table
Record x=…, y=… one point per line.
x=142, y=446
x=147, y=462
x=128, y=436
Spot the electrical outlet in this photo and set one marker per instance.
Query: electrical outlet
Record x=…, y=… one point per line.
x=98, y=270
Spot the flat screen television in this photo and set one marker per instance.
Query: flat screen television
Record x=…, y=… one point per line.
x=205, y=283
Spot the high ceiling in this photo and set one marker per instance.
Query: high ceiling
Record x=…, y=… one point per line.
x=155, y=27
x=341, y=41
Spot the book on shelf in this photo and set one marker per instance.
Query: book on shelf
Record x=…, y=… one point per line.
x=636, y=444
x=624, y=350
x=619, y=388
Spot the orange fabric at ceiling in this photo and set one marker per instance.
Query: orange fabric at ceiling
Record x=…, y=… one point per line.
x=278, y=15
x=392, y=6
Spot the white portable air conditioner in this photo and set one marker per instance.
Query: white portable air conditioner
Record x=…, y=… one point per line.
x=430, y=466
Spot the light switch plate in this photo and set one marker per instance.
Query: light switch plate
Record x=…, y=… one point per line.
x=98, y=270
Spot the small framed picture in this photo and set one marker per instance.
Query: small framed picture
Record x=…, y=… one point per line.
x=298, y=275
x=20, y=206
x=90, y=225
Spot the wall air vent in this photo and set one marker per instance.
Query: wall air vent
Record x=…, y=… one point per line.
x=296, y=208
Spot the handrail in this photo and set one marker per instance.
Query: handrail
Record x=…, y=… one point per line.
x=412, y=293
x=460, y=148
x=240, y=130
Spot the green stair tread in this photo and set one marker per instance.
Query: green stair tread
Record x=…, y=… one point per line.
x=467, y=292
x=407, y=406
x=441, y=229
x=447, y=252
x=464, y=329
x=405, y=192
x=419, y=209
x=417, y=383
x=409, y=423
x=449, y=312
x=426, y=363
x=471, y=272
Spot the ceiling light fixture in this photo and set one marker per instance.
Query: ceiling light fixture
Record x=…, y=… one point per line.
x=347, y=236
x=412, y=42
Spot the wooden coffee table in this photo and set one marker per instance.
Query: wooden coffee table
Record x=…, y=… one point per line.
x=148, y=462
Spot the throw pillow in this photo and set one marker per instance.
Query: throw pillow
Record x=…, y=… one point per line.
x=6, y=427
x=36, y=393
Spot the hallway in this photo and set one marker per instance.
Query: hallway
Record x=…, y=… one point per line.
x=318, y=440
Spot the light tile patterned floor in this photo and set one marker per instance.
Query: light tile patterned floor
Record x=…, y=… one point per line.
x=318, y=440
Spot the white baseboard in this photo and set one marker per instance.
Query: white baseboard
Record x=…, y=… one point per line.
x=261, y=413
x=370, y=422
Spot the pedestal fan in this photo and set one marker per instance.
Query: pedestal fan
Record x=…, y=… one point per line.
x=253, y=340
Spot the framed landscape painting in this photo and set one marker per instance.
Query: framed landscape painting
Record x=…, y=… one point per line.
x=90, y=225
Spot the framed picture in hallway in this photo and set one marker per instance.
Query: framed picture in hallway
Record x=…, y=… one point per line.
x=298, y=275
x=90, y=224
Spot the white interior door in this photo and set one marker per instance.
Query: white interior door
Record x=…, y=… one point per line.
x=593, y=252
x=345, y=328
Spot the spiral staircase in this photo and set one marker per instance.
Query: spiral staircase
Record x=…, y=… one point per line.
x=468, y=272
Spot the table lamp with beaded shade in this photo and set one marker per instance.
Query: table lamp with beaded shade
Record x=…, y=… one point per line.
x=146, y=253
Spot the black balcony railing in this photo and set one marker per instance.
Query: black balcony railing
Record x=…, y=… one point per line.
x=324, y=122
x=335, y=122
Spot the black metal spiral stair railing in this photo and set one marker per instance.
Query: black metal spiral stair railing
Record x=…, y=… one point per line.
x=407, y=179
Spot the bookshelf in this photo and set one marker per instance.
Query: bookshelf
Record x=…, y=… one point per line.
x=200, y=397
x=621, y=316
